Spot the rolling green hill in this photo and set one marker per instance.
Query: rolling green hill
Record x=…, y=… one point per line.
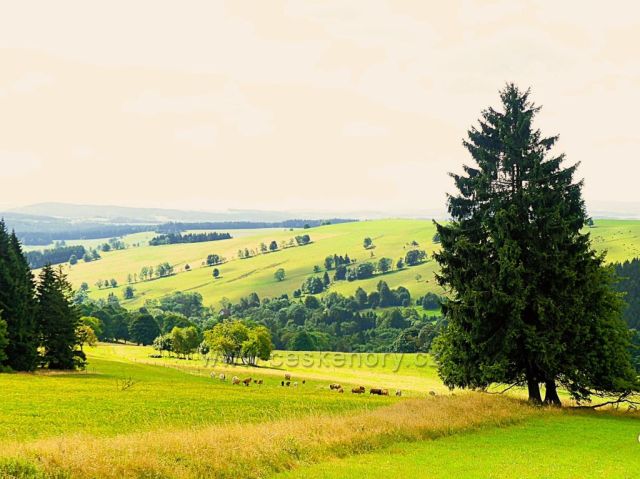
x=239, y=277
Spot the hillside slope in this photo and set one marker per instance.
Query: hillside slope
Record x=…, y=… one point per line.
x=240, y=277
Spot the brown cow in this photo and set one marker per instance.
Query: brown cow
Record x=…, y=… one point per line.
x=334, y=386
x=247, y=381
x=376, y=391
x=287, y=377
x=341, y=390
x=358, y=390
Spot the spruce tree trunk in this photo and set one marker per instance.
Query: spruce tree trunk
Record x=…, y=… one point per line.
x=551, y=397
x=534, y=391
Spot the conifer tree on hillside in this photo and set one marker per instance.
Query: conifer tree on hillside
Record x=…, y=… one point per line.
x=58, y=320
x=531, y=302
x=17, y=304
x=4, y=341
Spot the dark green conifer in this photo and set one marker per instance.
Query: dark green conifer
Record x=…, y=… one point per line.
x=58, y=320
x=531, y=302
x=17, y=304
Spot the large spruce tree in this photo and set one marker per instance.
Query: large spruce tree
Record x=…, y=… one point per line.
x=531, y=302
x=58, y=319
x=17, y=304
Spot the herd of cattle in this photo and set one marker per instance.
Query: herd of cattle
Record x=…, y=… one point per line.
x=288, y=382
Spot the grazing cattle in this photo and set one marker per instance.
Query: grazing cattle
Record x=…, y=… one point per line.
x=398, y=392
x=259, y=381
x=384, y=392
x=432, y=393
x=295, y=384
x=341, y=390
x=247, y=381
x=376, y=391
x=334, y=386
x=358, y=390
x=222, y=377
x=287, y=377
x=288, y=383
x=235, y=380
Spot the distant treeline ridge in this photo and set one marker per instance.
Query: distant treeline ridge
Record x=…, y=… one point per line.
x=36, y=238
x=65, y=231
x=173, y=227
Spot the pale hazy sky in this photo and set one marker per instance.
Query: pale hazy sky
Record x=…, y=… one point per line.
x=301, y=104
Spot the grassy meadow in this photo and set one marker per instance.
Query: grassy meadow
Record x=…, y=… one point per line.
x=239, y=277
x=558, y=446
x=130, y=415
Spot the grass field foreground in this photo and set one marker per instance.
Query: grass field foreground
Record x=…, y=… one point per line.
x=567, y=445
x=258, y=450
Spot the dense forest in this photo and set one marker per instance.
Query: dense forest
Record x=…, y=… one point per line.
x=333, y=322
x=175, y=238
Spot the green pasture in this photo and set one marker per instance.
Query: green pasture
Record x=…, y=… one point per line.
x=239, y=277
x=414, y=374
x=162, y=395
x=566, y=446
x=125, y=391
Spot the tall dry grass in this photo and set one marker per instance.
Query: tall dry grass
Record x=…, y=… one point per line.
x=259, y=450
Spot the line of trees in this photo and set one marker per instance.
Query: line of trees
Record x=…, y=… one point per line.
x=273, y=246
x=38, y=323
x=175, y=238
x=159, y=271
x=107, y=283
x=60, y=254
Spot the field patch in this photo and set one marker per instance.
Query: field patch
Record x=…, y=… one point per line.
x=564, y=445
